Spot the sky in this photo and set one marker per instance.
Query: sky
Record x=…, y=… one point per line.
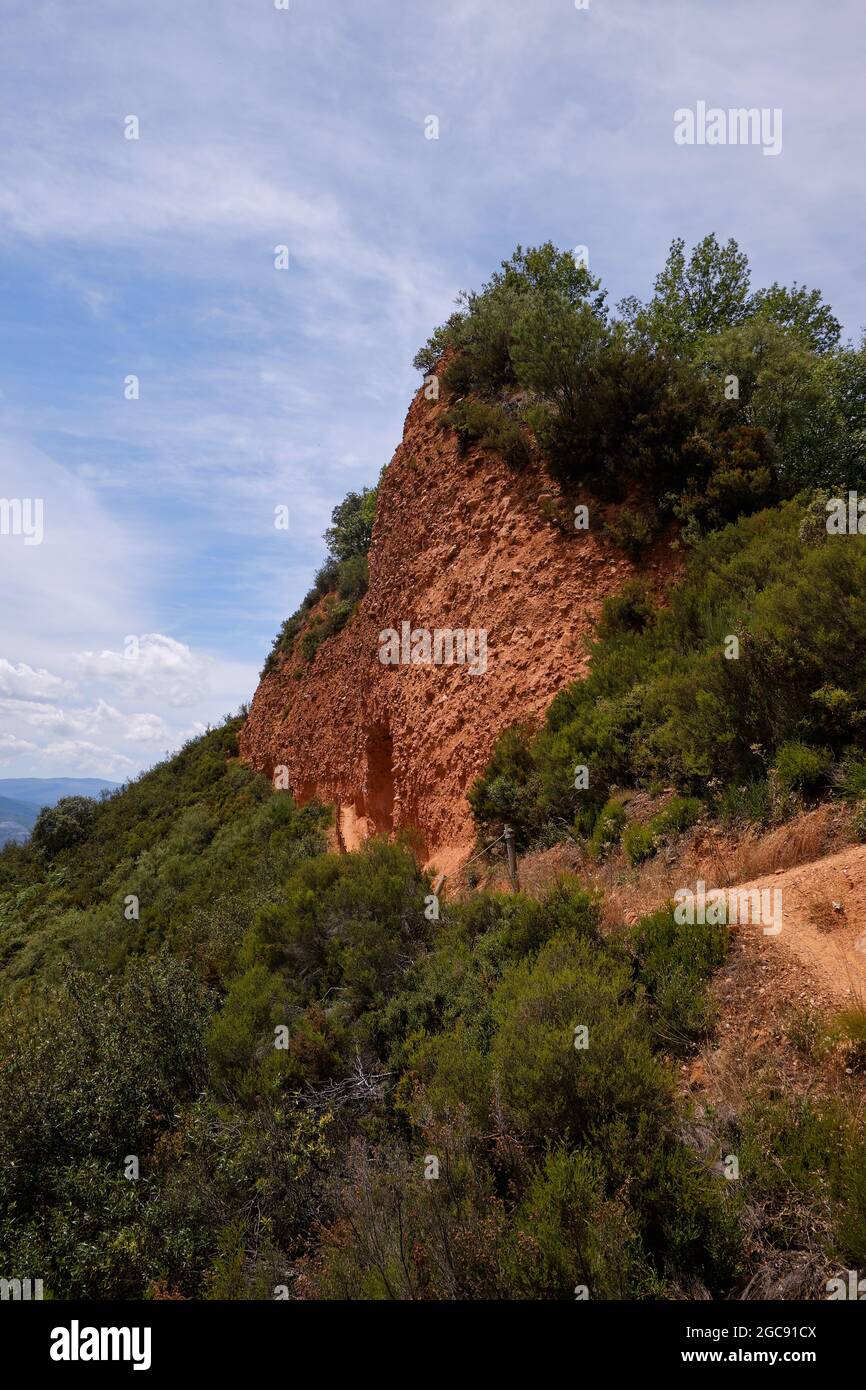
x=145, y=612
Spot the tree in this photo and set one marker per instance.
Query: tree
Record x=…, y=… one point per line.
x=790, y=391
x=801, y=310
x=352, y=524
x=58, y=827
x=534, y=288
x=694, y=296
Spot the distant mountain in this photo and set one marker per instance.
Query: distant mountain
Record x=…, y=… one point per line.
x=16, y=819
x=21, y=799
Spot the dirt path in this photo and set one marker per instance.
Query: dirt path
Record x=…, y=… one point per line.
x=823, y=919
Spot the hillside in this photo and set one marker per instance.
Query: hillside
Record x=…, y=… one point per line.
x=252, y=1047
x=21, y=799
x=461, y=542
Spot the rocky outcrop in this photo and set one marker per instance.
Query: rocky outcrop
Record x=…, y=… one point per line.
x=461, y=544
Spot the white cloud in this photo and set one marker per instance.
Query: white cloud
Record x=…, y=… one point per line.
x=80, y=758
x=21, y=682
x=13, y=747
x=262, y=387
x=151, y=664
x=103, y=718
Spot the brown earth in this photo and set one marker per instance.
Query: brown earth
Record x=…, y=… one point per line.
x=810, y=860
x=460, y=542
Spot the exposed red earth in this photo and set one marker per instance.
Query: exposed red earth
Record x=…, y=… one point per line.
x=463, y=543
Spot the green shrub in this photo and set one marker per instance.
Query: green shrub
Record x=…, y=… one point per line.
x=608, y=828
x=352, y=578
x=630, y=610
x=801, y=769
x=60, y=826
x=566, y=1233
x=853, y=782
x=551, y=1090
x=491, y=426
x=803, y=1160
x=674, y=963
x=848, y=1032
x=633, y=531
x=503, y=796
x=642, y=841
x=639, y=842
x=746, y=803
x=680, y=814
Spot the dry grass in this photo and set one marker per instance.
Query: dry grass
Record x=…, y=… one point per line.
x=720, y=860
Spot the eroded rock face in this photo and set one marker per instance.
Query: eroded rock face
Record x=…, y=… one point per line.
x=461, y=543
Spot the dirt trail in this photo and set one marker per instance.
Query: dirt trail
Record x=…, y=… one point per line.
x=823, y=932
x=823, y=918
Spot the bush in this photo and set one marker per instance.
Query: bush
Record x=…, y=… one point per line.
x=566, y=1233
x=746, y=803
x=503, y=796
x=642, y=841
x=801, y=769
x=59, y=827
x=631, y=610
x=639, y=842
x=551, y=1090
x=680, y=814
x=853, y=783
x=632, y=531
x=674, y=963
x=492, y=427
x=608, y=828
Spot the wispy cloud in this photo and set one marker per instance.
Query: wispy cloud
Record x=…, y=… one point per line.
x=260, y=387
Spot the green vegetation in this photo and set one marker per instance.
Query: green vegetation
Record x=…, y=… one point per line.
x=662, y=704
x=199, y=828
x=232, y=1062
x=703, y=404
x=243, y=1087
x=341, y=582
x=803, y=1161
x=641, y=841
x=491, y=426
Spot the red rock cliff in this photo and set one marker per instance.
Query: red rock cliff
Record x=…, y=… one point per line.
x=460, y=542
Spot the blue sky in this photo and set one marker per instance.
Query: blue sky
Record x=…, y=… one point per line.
x=258, y=388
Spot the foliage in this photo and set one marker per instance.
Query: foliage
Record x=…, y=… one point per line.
x=663, y=705
x=495, y=332
x=641, y=841
x=800, y=768
x=491, y=426
x=674, y=963
x=703, y=404
x=351, y=528
x=199, y=834
x=62, y=825
x=341, y=582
